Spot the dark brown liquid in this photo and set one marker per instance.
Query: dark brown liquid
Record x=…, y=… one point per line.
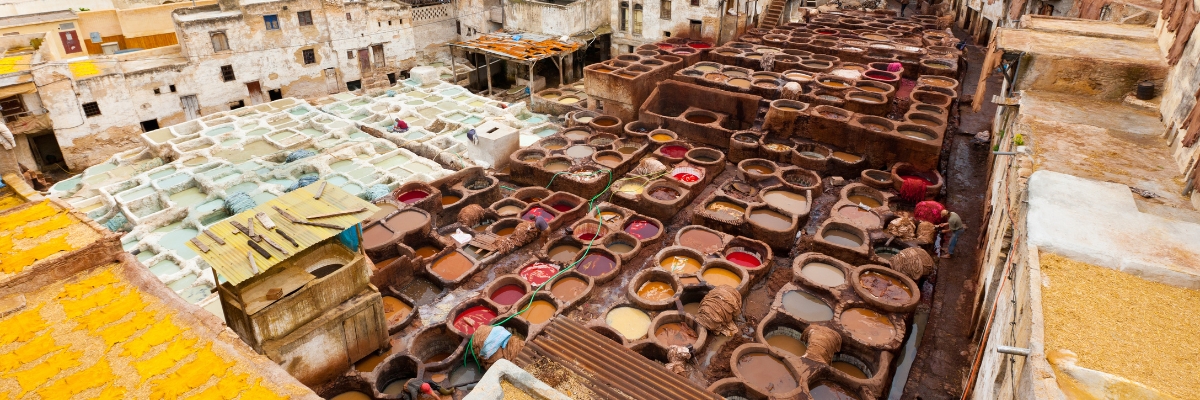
x=701, y=240
x=885, y=287
x=771, y=220
x=568, y=288
x=767, y=373
x=674, y=334
x=870, y=327
x=705, y=119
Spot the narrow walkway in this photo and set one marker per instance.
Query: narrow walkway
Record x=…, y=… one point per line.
x=943, y=360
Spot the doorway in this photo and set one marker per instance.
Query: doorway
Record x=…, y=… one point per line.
x=275, y=94
x=255, y=92
x=364, y=60
x=70, y=42
x=191, y=107
x=149, y=125
x=46, y=152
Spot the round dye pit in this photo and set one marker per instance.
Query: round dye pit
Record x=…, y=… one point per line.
x=568, y=288
x=641, y=229
x=916, y=134
x=535, y=212
x=449, y=199
x=580, y=151
x=767, y=372
x=609, y=160
x=686, y=177
x=744, y=259
x=846, y=157
x=848, y=368
x=619, y=247
x=412, y=196
x=509, y=210
x=870, y=327
x=452, y=266
x=508, y=295
x=351, y=396
x=596, y=264
x=472, y=318
x=885, y=287
x=661, y=137
x=680, y=265
x=806, y=306
x=538, y=273
x=823, y=274
x=886, y=253
x=564, y=254
x=557, y=166
x=701, y=240
x=631, y=188
x=726, y=209
x=842, y=238
x=760, y=169
x=721, y=276
x=539, y=311
x=673, y=151
x=858, y=216
x=675, y=334
x=788, y=340
x=630, y=322
x=793, y=202
x=664, y=193
x=771, y=220
x=656, y=291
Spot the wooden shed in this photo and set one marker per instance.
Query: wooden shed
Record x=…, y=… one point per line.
x=295, y=283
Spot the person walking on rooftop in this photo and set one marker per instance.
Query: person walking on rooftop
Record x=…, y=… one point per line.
x=955, y=227
x=903, y=5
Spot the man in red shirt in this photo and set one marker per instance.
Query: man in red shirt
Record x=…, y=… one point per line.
x=400, y=126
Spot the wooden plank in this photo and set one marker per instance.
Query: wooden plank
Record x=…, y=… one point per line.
x=288, y=280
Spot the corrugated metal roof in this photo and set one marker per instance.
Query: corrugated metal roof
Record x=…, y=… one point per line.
x=230, y=260
x=614, y=371
x=521, y=46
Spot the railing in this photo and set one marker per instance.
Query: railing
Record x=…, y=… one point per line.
x=439, y=10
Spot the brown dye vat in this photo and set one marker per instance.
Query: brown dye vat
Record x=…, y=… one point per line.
x=847, y=157
x=823, y=274
x=830, y=391
x=596, y=264
x=726, y=209
x=704, y=118
x=915, y=134
x=760, y=169
x=539, y=311
x=806, y=306
x=788, y=340
x=568, y=288
x=576, y=151
x=563, y=254
x=609, y=160
x=885, y=287
x=767, y=372
x=393, y=307
x=452, y=266
x=421, y=291
x=575, y=135
x=556, y=166
x=849, y=369
x=738, y=82
x=870, y=327
x=675, y=334
x=858, y=216
x=735, y=73
x=842, y=238
x=787, y=201
x=864, y=200
x=385, y=209
x=700, y=240
x=771, y=220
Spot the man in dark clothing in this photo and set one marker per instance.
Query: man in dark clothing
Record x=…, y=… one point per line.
x=903, y=5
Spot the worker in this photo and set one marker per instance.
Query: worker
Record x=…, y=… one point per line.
x=541, y=223
x=400, y=126
x=472, y=136
x=903, y=5
x=955, y=227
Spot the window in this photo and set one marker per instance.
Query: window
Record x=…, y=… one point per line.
x=227, y=73
x=391, y=78
x=348, y=17
x=666, y=33
x=305, y=18
x=389, y=22
x=67, y=26
x=237, y=104
x=219, y=42
x=157, y=90
x=624, y=16
x=172, y=88
x=354, y=85
x=149, y=125
x=637, y=19
x=309, y=56
x=695, y=3
x=91, y=109
x=271, y=22
x=275, y=94
x=664, y=9
x=349, y=54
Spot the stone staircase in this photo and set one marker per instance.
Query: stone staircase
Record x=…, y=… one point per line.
x=773, y=15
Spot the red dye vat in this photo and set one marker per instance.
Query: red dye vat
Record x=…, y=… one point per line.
x=562, y=207
x=538, y=273
x=642, y=229
x=744, y=259
x=666, y=46
x=596, y=264
x=674, y=151
x=508, y=294
x=919, y=178
x=587, y=236
x=686, y=177
x=412, y=196
x=699, y=45
x=472, y=318
x=537, y=212
x=883, y=76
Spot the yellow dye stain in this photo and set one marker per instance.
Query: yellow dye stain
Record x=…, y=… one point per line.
x=159, y=333
x=192, y=375
x=113, y=312
x=25, y=258
x=10, y=201
x=28, y=353
x=112, y=393
x=84, y=68
x=85, y=286
x=125, y=330
x=40, y=373
x=22, y=326
x=13, y=64
x=97, y=375
x=76, y=308
x=258, y=392
x=46, y=226
x=30, y=214
x=163, y=361
x=228, y=387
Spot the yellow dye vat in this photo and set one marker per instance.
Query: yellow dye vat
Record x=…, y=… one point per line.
x=84, y=68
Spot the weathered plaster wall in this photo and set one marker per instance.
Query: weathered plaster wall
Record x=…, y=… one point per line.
x=682, y=13
x=52, y=43
x=557, y=19
x=1178, y=97
x=17, y=7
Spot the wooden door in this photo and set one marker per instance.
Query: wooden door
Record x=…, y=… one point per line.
x=361, y=335
x=191, y=106
x=255, y=92
x=70, y=42
x=364, y=60
x=377, y=52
